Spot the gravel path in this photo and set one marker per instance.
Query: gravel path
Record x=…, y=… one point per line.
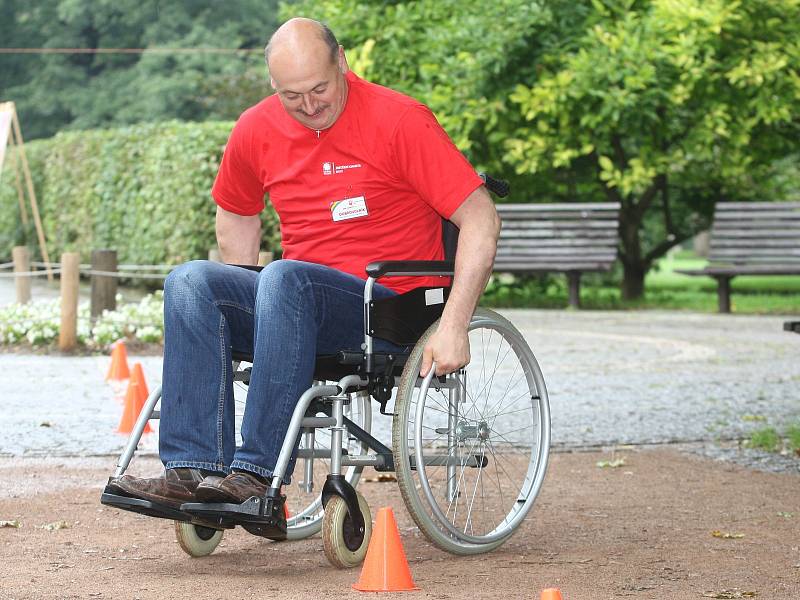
x=614, y=378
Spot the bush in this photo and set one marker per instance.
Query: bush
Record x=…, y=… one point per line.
x=38, y=323
x=142, y=190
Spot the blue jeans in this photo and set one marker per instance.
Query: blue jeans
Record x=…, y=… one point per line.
x=284, y=315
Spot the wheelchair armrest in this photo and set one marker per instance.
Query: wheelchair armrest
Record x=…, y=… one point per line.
x=410, y=267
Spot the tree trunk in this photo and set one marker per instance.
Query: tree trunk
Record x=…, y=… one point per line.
x=633, y=281
x=630, y=254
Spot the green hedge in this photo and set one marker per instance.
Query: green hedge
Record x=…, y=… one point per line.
x=142, y=190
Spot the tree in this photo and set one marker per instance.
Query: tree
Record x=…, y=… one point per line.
x=667, y=106
x=80, y=91
x=460, y=57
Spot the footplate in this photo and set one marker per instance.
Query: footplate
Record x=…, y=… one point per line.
x=144, y=507
x=260, y=516
x=112, y=497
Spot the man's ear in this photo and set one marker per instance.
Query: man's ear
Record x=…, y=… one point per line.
x=272, y=83
x=343, y=66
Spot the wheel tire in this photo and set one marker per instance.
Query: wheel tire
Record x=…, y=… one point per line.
x=334, y=525
x=197, y=540
x=409, y=480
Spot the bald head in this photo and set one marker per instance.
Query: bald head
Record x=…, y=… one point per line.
x=300, y=34
x=307, y=69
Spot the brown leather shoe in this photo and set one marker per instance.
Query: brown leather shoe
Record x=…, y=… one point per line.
x=173, y=489
x=236, y=487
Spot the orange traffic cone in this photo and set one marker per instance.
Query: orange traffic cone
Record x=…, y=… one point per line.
x=135, y=398
x=551, y=594
x=385, y=566
x=118, y=370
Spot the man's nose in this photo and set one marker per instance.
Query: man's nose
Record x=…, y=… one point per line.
x=308, y=105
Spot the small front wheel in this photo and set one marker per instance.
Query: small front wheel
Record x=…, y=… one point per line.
x=197, y=540
x=338, y=533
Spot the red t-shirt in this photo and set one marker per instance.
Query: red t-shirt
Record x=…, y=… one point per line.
x=374, y=186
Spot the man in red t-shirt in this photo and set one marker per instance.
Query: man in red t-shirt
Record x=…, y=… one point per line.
x=357, y=173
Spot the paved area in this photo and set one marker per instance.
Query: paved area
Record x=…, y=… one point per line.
x=614, y=378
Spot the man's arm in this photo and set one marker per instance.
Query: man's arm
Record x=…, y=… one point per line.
x=238, y=237
x=479, y=227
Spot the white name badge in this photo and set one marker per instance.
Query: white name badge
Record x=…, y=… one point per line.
x=349, y=208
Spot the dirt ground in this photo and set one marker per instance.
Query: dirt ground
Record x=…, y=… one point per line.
x=642, y=530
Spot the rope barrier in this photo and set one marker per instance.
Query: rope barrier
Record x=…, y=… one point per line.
x=45, y=264
x=7, y=265
x=148, y=267
x=116, y=274
x=86, y=269
x=88, y=266
x=28, y=274
x=126, y=275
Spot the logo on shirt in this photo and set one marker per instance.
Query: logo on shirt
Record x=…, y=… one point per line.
x=331, y=168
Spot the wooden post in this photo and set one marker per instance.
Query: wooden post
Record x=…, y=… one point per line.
x=70, y=270
x=264, y=258
x=104, y=287
x=214, y=255
x=22, y=264
x=574, y=281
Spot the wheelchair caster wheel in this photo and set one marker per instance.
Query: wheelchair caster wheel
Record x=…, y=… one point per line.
x=337, y=531
x=197, y=540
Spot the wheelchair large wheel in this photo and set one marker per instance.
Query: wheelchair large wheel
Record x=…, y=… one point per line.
x=471, y=451
x=304, y=503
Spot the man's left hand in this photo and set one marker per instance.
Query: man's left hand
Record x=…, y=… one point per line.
x=449, y=347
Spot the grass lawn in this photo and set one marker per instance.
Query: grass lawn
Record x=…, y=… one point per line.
x=749, y=294
x=665, y=289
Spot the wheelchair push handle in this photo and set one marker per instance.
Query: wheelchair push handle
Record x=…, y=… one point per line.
x=499, y=187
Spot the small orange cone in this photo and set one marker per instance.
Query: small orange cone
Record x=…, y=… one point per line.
x=118, y=370
x=551, y=594
x=385, y=566
x=135, y=398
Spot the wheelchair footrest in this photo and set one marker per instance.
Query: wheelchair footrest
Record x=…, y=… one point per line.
x=260, y=516
x=112, y=497
x=144, y=507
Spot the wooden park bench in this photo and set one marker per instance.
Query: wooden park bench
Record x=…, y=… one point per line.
x=558, y=238
x=751, y=238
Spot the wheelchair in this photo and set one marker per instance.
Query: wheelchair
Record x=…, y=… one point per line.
x=469, y=450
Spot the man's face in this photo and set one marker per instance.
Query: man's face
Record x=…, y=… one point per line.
x=313, y=92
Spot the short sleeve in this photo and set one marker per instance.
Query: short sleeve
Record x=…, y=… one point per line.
x=237, y=187
x=430, y=162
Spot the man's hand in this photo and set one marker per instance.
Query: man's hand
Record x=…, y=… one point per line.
x=449, y=347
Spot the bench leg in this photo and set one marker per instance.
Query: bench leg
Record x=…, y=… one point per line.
x=724, y=294
x=574, y=284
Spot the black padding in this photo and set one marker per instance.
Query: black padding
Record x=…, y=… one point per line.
x=404, y=318
x=255, y=268
x=449, y=239
x=498, y=187
x=416, y=267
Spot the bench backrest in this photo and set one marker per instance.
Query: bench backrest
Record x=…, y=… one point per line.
x=557, y=237
x=756, y=233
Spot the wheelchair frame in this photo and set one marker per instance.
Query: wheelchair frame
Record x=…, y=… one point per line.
x=374, y=376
